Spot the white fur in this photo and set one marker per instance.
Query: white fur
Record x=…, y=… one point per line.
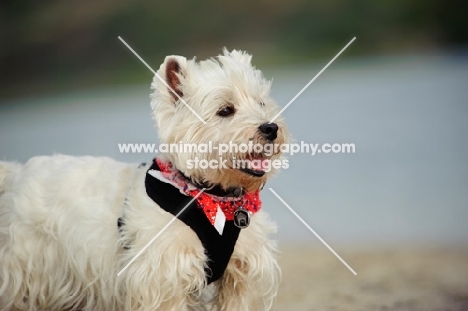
x=207, y=86
x=59, y=244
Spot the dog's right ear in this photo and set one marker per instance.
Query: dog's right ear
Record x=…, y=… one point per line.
x=173, y=73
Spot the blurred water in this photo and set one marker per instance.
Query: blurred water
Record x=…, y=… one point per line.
x=406, y=183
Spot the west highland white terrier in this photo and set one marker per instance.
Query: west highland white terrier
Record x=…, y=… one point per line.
x=84, y=233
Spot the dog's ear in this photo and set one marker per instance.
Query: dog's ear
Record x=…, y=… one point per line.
x=174, y=71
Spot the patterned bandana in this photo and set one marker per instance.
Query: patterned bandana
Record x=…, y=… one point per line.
x=210, y=204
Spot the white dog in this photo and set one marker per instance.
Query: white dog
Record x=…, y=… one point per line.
x=70, y=227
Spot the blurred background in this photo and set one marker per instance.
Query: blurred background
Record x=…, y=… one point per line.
x=399, y=93
x=60, y=45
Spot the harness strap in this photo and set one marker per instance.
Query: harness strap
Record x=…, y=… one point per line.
x=218, y=248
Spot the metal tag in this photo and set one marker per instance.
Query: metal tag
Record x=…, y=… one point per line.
x=241, y=218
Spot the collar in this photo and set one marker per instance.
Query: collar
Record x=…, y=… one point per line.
x=217, y=204
x=215, y=190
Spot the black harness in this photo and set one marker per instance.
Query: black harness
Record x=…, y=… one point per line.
x=218, y=248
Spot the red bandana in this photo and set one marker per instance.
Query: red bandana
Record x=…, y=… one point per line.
x=207, y=202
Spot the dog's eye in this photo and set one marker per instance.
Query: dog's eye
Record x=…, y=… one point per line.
x=226, y=111
x=262, y=103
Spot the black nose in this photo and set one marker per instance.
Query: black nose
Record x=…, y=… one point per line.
x=269, y=130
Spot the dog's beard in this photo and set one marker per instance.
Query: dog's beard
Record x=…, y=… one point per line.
x=256, y=164
x=249, y=170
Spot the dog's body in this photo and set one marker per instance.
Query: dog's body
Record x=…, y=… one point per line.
x=61, y=249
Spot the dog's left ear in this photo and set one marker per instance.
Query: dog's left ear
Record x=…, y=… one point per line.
x=173, y=72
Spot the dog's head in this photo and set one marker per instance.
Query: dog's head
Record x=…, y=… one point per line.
x=232, y=98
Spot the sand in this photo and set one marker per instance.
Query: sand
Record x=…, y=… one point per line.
x=404, y=278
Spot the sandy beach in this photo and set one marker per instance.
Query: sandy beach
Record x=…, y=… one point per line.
x=407, y=278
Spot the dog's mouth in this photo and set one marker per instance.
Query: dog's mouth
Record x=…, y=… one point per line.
x=255, y=165
x=256, y=173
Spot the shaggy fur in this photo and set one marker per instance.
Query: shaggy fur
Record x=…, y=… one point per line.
x=59, y=244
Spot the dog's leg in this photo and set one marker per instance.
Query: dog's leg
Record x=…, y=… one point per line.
x=251, y=279
x=169, y=275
